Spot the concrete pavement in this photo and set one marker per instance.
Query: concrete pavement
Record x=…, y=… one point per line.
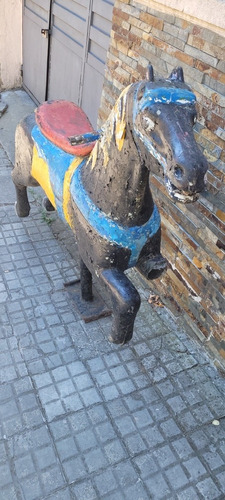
x=81, y=418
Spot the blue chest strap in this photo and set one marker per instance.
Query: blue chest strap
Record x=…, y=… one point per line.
x=133, y=238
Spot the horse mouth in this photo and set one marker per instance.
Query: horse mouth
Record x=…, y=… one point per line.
x=178, y=195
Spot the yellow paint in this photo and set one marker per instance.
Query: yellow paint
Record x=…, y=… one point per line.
x=120, y=118
x=93, y=156
x=116, y=123
x=40, y=172
x=66, y=188
x=106, y=154
x=107, y=137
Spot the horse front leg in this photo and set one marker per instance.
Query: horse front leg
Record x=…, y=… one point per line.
x=85, y=282
x=125, y=302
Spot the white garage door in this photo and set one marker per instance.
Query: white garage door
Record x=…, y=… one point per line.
x=65, y=44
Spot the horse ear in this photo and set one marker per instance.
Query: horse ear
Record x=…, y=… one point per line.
x=177, y=74
x=150, y=73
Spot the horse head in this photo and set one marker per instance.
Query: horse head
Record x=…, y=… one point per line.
x=164, y=114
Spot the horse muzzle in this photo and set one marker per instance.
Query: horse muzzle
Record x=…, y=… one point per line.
x=185, y=183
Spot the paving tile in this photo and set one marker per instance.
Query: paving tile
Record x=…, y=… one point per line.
x=194, y=468
x=105, y=432
x=164, y=456
x=188, y=494
x=61, y=494
x=66, y=448
x=158, y=487
x=86, y=440
x=125, y=425
x=126, y=474
x=221, y=479
x=182, y=447
x=208, y=489
x=31, y=487
x=52, y=479
x=95, y=460
x=5, y=474
x=135, y=444
x=176, y=477
x=146, y=465
x=115, y=451
x=142, y=418
x=74, y=469
x=105, y=483
x=84, y=490
x=213, y=459
x=152, y=436
x=136, y=491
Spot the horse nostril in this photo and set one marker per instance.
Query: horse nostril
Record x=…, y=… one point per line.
x=178, y=172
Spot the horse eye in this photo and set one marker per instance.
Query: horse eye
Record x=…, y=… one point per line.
x=149, y=123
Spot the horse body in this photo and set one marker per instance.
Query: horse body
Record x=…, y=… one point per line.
x=105, y=196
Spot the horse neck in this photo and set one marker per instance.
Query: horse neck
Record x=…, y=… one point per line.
x=115, y=176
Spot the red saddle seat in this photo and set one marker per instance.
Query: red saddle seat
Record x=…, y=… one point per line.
x=59, y=120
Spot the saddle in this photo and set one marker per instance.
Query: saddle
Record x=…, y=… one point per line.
x=67, y=126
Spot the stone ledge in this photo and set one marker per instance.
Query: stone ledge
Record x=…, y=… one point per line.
x=212, y=16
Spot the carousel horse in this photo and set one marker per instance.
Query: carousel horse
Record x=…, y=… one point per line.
x=99, y=181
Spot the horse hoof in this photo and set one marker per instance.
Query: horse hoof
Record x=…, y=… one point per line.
x=47, y=205
x=21, y=213
x=112, y=340
x=117, y=341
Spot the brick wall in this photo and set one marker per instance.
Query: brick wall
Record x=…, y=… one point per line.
x=193, y=235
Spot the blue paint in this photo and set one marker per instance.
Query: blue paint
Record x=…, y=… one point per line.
x=165, y=95
x=133, y=238
x=149, y=146
x=58, y=162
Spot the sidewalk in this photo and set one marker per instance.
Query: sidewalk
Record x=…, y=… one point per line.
x=81, y=418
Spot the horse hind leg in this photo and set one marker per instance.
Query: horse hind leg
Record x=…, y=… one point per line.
x=22, y=204
x=125, y=302
x=21, y=174
x=47, y=205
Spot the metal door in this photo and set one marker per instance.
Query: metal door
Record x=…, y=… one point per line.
x=69, y=63
x=66, y=53
x=97, y=42
x=36, y=17
x=79, y=41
